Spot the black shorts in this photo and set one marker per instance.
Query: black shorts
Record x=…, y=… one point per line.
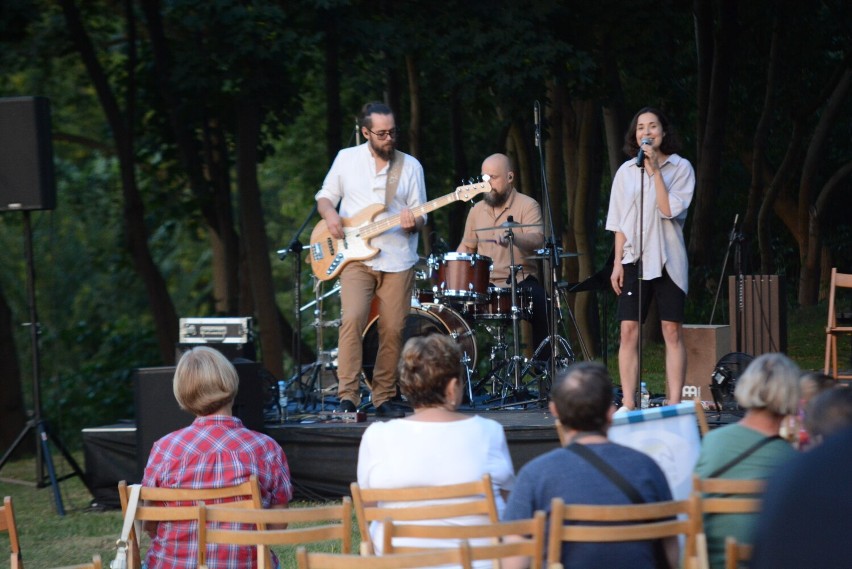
x=670, y=298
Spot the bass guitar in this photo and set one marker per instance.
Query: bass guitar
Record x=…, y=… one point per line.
x=328, y=255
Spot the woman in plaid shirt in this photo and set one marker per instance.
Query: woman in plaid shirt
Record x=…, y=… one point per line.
x=216, y=450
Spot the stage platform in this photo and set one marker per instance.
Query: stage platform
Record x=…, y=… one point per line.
x=323, y=455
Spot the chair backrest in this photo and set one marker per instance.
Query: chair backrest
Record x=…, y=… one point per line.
x=487, y=541
x=435, y=502
x=736, y=552
x=95, y=564
x=838, y=280
x=728, y=495
x=279, y=524
x=245, y=495
x=458, y=556
x=633, y=522
x=7, y=524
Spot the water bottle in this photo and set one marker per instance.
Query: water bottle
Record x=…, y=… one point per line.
x=645, y=397
x=282, y=401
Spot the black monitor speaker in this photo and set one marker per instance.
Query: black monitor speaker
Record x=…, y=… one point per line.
x=26, y=155
x=158, y=413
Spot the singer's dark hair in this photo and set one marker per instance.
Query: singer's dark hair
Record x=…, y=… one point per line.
x=365, y=119
x=671, y=142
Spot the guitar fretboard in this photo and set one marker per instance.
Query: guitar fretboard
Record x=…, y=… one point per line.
x=378, y=227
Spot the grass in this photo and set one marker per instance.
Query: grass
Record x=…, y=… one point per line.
x=49, y=540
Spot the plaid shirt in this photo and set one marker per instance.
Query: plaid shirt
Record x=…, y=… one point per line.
x=214, y=451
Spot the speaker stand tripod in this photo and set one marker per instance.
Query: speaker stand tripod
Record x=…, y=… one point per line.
x=37, y=424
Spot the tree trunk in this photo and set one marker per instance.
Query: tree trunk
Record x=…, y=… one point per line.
x=712, y=142
x=136, y=234
x=254, y=235
x=458, y=211
x=333, y=114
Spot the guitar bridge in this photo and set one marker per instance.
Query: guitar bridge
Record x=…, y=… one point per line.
x=316, y=251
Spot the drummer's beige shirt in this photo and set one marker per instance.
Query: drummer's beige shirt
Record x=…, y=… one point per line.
x=524, y=210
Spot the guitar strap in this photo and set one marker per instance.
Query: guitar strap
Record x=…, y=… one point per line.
x=394, y=171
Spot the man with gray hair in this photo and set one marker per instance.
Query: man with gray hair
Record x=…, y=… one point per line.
x=582, y=403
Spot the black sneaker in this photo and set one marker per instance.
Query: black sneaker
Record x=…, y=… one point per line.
x=345, y=406
x=388, y=410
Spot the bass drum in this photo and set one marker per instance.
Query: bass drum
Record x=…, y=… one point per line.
x=421, y=321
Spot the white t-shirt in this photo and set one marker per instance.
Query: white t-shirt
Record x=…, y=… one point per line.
x=405, y=452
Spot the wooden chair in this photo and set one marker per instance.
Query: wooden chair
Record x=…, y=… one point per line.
x=736, y=552
x=457, y=556
x=439, y=502
x=245, y=495
x=7, y=524
x=832, y=329
x=632, y=522
x=701, y=417
x=339, y=528
x=730, y=496
x=487, y=541
x=95, y=564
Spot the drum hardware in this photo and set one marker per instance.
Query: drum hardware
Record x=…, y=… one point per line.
x=508, y=225
x=332, y=292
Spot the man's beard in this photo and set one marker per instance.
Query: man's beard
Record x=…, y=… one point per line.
x=494, y=199
x=383, y=152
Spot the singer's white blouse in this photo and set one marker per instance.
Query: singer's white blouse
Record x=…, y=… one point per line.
x=662, y=240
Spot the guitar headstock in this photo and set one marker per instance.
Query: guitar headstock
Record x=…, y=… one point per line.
x=468, y=192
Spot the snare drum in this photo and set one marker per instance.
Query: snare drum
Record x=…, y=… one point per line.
x=461, y=277
x=499, y=305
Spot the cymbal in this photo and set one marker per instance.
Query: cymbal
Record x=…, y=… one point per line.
x=509, y=225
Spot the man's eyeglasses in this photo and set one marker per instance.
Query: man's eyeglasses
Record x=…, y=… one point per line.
x=383, y=134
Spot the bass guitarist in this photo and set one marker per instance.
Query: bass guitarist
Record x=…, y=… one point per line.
x=361, y=176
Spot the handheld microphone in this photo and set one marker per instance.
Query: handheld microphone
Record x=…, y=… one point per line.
x=640, y=157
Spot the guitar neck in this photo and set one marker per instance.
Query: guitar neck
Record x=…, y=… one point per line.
x=379, y=227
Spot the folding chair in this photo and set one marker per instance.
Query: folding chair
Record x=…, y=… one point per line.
x=7, y=524
x=730, y=496
x=736, y=552
x=833, y=329
x=339, y=527
x=245, y=495
x=438, y=502
x=95, y=564
x=633, y=522
x=487, y=541
x=457, y=556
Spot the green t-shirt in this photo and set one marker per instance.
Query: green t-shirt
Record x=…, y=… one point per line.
x=719, y=447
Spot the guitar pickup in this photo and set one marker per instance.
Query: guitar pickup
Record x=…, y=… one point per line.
x=316, y=251
x=330, y=243
x=334, y=264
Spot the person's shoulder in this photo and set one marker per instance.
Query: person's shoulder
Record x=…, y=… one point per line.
x=679, y=161
x=490, y=425
x=551, y=461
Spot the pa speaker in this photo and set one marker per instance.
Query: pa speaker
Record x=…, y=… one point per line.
x=158, y=412
x=26, y=155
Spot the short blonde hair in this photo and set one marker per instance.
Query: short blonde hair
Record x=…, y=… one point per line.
x=205, y=381
x=770, y=382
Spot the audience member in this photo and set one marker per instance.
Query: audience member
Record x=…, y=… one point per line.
x=806, y=510
x=582, y=403
x=768, y=390
x=436, y=445
x=793, y=429
x=215, y=451
x=828, y=413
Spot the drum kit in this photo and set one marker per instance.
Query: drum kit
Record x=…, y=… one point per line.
x=453, y=295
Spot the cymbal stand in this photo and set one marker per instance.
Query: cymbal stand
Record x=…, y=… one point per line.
x=313, y=388
x=516, y=310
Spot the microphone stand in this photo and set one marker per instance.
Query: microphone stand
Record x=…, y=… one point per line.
x=640, y=161
x=296, y=246
x=553, y=254
x=731, y=239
